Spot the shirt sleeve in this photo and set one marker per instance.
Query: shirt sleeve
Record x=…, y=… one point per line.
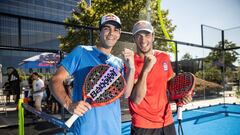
x=41, y=84
x=73, y=60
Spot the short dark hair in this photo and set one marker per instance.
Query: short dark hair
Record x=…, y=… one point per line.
x=35, y=73
x=11, y=68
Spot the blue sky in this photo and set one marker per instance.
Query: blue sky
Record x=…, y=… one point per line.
x=188, y=15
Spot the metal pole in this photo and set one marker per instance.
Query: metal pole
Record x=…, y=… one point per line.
x=223, y=67
x=91, y=36
x=149, y=10
x=176, y=57
x=202, y=34
x=91, y=30
x=223, y=73
x=19, y=32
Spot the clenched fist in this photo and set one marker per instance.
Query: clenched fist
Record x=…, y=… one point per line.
x=128, y=57
x=149, y=61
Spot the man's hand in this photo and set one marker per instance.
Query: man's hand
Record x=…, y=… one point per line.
x=79, y=108
x=187, y=98
x=149, y=61
x=128, y=57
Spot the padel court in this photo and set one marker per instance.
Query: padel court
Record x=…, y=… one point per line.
x=211, y=120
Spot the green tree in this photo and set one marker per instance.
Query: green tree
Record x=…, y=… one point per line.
x=211, y=74
x=186, y=64
x=129, y=11
x=186, y=56
x=216, y=56
x=214, y=64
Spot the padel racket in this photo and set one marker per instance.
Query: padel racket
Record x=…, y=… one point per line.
x=180, y=86
x=102, y=85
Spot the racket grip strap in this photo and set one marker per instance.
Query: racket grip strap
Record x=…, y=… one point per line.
x=179, y=112
x=71, y=120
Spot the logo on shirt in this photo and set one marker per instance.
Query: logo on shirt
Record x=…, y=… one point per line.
x=165, y=66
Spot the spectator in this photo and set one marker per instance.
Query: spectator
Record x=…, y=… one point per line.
x=48, y=96
x=38, y=89
x=55, y=105
x=30, y=93
x=0, y=75
x=12, y=87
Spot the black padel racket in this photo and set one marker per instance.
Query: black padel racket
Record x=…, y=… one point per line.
x=103, y=85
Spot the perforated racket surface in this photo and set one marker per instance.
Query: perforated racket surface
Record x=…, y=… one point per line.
x=181, y=85
x=102, y=85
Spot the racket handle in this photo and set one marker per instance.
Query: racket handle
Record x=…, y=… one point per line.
x=71, y=120
x=179, y=112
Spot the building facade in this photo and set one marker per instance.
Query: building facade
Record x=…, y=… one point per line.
x=20, y=28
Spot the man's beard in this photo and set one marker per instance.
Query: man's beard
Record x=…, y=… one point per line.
x=145, y=52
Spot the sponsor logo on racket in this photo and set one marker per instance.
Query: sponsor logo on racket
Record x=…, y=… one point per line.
x=109, y=77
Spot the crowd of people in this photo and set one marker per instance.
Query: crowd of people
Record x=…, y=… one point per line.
x=36, y=93
x=39, y=94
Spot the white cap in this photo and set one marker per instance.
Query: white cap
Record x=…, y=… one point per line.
x=110, y=19
x=142, y=25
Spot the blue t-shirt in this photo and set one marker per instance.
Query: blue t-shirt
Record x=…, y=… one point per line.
x=104, y=120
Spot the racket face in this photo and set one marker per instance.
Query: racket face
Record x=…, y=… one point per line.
x=103, y=85
x=181, y=85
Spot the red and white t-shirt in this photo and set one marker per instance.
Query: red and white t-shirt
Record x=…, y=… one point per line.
x=154, y=110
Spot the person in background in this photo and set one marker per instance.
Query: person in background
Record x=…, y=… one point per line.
x=12, y=86
x=1, y=78
x=149, y=71
x=38, y=89
x=104, y=120
x=54, y=103
x=30, y=93
x=48, y=96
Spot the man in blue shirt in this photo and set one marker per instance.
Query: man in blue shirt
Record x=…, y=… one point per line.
x=104, y=120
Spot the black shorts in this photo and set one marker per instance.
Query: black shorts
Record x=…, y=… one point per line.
x=168, y=130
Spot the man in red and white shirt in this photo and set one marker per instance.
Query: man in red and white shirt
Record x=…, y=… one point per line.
x=148, y=72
